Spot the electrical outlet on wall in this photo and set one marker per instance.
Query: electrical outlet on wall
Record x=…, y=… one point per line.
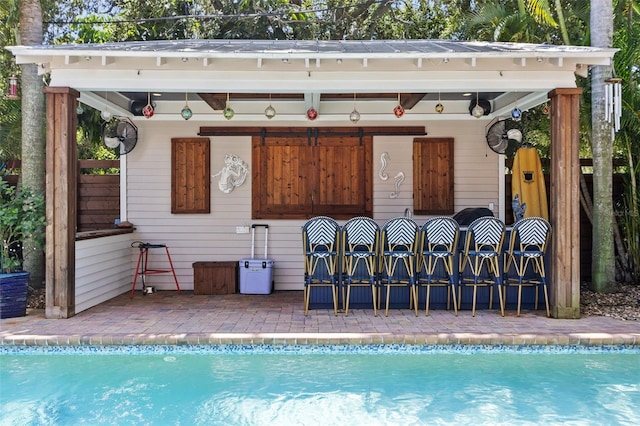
x=242, y=229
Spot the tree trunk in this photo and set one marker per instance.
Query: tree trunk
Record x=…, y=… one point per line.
x=33, y=119
x=603, y=257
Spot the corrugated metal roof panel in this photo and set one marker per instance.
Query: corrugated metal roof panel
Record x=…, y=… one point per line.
x=318, y=47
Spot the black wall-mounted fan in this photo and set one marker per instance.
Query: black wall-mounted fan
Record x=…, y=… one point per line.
x=120, y=133
x=502, y=134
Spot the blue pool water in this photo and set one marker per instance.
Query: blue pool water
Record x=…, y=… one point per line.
x=371, y=386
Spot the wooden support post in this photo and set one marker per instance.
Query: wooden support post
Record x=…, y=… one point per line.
x=565, y=203
x=61, y=184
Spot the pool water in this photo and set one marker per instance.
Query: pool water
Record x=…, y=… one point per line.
x=299, y=387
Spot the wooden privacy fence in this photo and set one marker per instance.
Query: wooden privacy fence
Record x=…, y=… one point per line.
x=585, y=225
x=98, y=192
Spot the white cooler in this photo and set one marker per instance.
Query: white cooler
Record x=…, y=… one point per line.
x=256, y=274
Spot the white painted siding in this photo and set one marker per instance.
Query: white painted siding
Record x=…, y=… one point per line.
x=211, y=237
x=476, y=171
x=103, y=269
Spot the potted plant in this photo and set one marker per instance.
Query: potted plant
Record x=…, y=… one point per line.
x=21, y=217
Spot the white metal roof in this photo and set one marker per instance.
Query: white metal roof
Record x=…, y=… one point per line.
x=115, y=73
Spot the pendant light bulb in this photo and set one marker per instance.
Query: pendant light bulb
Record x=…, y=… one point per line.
x=477, y=110
x=354, y=117
x=228, y=112
x=270, y=111
x=516, y=113
x=439, y=107
x=148, y=111
x=186, y=112
x=398, y=111
x=312, y=113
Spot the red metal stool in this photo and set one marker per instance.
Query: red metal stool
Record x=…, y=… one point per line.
x=142, y=267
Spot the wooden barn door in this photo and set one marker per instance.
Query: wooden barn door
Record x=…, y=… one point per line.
x=298, y=177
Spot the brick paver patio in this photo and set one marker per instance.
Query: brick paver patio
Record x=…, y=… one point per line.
x=170, y=318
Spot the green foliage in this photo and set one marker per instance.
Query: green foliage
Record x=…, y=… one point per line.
x=93, y=28
x=89, y=138
x=175, y=20
x=421, y=19
x=21, y=217
x=627, y=67
x=628, y=215
x=10, y=112
x=536, y=125
x=10, y=128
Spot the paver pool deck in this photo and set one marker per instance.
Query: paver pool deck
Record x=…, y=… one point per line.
x=167, y=317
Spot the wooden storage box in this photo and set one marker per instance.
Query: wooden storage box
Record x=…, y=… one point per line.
x=215, y=277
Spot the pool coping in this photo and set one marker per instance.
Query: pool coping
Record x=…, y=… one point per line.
x=301, y=349
x=549, y=339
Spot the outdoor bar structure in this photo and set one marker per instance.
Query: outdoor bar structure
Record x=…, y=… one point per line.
x=236, y=132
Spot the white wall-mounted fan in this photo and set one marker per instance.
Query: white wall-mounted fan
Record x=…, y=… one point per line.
x=501, y=134
x=120, y=133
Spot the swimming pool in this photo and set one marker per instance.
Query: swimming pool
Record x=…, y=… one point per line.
x=373, y=385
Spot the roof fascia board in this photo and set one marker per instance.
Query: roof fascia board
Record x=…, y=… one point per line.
x=301, y=82
x=44, y=53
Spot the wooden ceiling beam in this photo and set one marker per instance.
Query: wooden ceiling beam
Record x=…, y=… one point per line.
x=409, y=100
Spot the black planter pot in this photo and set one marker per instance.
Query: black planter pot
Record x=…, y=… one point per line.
x=13, y=294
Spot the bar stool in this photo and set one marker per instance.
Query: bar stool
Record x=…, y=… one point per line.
x=142, y=266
